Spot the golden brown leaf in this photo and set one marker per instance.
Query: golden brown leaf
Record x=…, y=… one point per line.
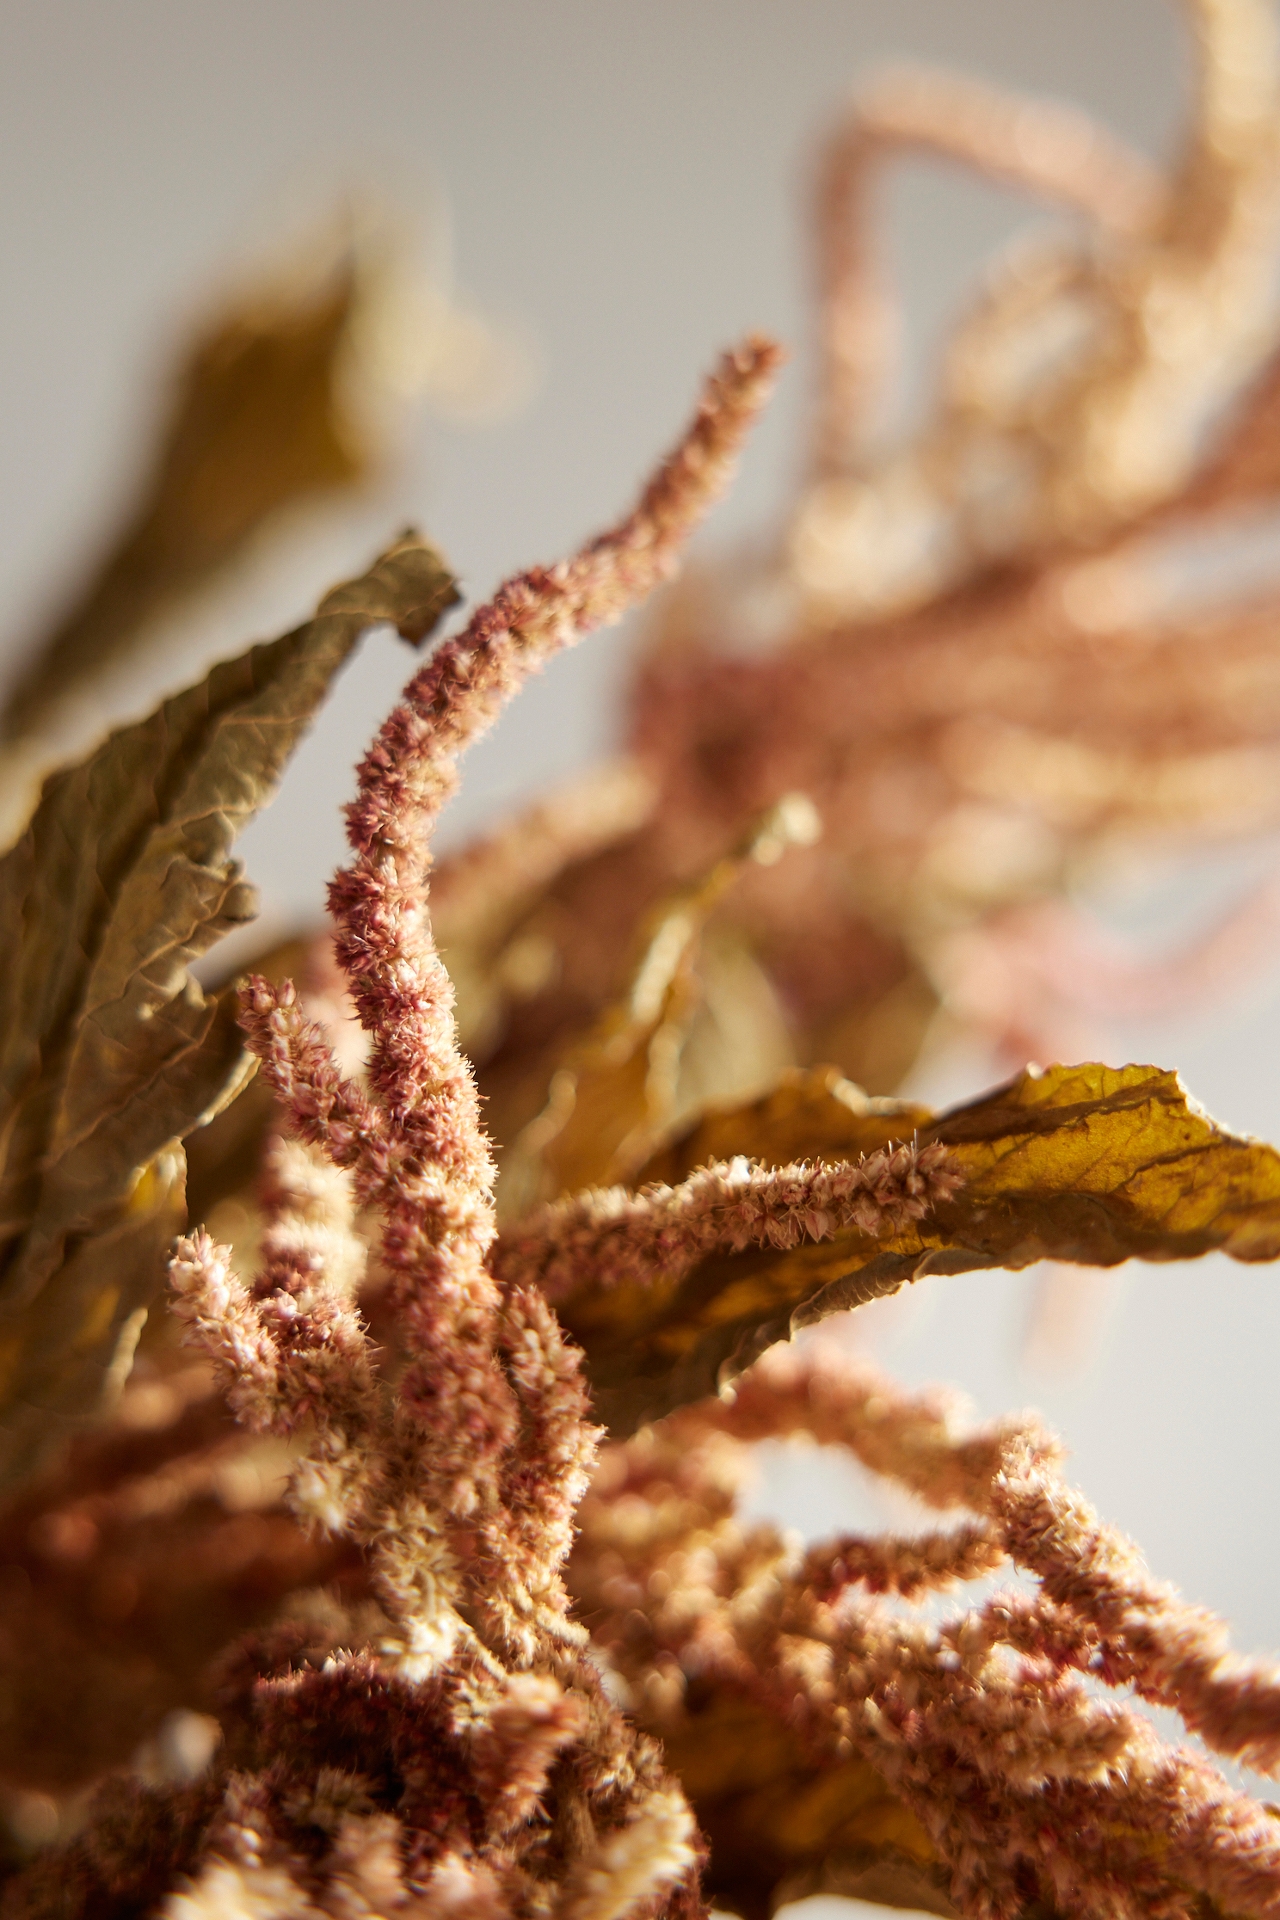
x=782, y=1825
x=258, y=420
x=109, y=1051
x=618, y=1088
x=1089, y=1164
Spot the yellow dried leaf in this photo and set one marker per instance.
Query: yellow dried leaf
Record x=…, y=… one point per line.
x=109, y=1051
x=1089, y=1164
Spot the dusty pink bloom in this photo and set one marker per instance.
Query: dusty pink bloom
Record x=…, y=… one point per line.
x=293, y=1348
x=1053, y=151
x=549, y=1468
x=379, y=902
x=917, y=1439
x=1175, y=1654
x=222, y=1316
x=461, y=1480
x=988, y=1725
x=487, y=1430
x=631, y=1866
x=889, y=1564
x=459, y=1888
x=323, y=1105
x=610, y=1237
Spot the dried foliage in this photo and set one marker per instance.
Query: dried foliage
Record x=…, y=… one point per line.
x=111, y=1052
x=259, y=418
x=406, y=1576
x=670, y=1299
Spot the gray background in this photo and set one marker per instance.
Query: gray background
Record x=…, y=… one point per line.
x=626, y=185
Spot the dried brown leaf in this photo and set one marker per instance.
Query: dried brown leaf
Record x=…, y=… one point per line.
x=1089, y=1164
x=782, y=1824
x=109, y=1051
x=618, y=1089
x=258, y=419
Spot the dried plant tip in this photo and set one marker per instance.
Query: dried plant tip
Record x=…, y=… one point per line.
x=654, y=1850
x=1173, y=1653
x=324, y=1106
x=513, y=1750
x=609, y=1237
x=383, y=936
x=221, y=1316
x=892, y=1564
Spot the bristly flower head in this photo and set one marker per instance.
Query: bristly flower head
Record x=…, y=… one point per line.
x=461, y=1476
x=462, y=1479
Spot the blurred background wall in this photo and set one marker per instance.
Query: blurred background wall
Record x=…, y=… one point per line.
x=626, y=189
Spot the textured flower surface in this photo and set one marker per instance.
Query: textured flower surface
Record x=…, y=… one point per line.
x=408, y=1577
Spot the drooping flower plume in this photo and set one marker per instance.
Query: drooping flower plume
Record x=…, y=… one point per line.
x=414, y=1581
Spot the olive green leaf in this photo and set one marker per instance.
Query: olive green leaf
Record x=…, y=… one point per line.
x=109, y=1051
